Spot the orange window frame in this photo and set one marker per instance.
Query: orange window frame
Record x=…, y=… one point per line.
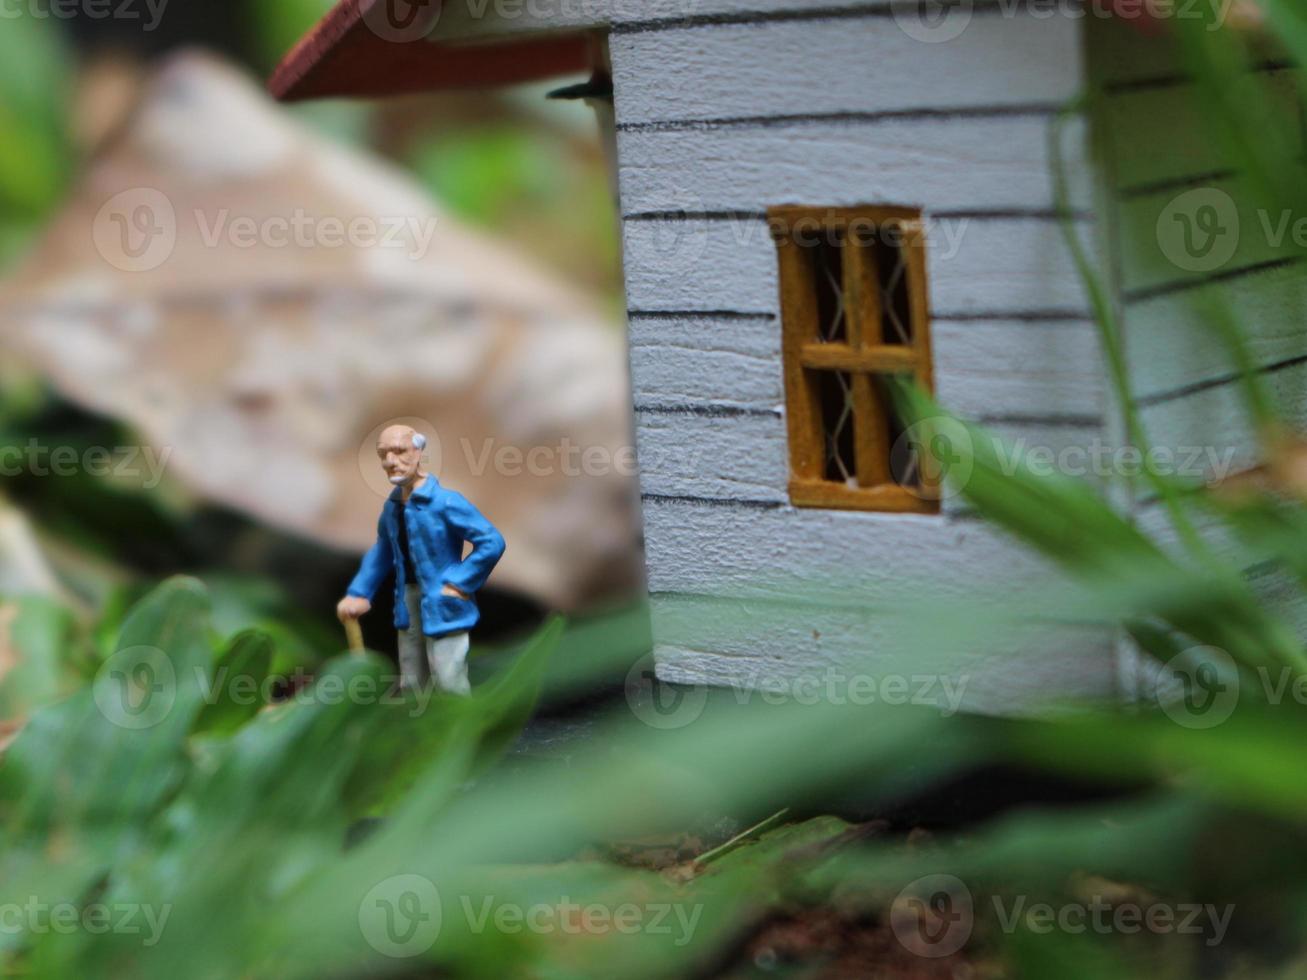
x=862, y=353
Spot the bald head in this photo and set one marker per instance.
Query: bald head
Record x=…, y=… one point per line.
x=406, y=434
x=399, y=447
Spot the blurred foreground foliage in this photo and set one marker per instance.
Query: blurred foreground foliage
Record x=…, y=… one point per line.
x=282, y=836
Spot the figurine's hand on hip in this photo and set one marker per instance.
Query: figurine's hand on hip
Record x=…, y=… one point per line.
x=452, y=590
x=352, y=607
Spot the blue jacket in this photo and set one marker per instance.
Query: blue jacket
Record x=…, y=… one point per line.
x=439, y=520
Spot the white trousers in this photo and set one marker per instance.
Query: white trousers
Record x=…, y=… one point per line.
x=423, y=657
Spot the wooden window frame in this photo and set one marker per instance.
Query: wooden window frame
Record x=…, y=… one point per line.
x=804, y=353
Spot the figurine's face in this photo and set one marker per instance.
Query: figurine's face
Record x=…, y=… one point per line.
x=401, y=460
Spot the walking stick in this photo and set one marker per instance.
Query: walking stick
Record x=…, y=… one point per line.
x=353, y=635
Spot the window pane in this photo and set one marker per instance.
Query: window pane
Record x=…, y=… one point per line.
x=904, y=465
x=835, y=395
x=895, y=307
x=829, y=284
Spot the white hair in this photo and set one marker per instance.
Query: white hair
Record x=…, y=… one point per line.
x=419, y=441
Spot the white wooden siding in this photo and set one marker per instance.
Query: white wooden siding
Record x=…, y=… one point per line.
x=1147, y=269
x=743, y=458
x=799, y=649
x=739, y=458
x=823, y=66
x=719, y=116
x=1213, y=417
x=997, y=163
x=1160, y=136
x=1278, y=589
x=993, y=267
x=768, y=594
x=1158, y=146
x=680, y=361
x=806, y=555
x=1172, y=346
x=983, y=369
x=1123, y=55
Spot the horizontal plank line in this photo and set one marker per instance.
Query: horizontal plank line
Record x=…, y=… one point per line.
x=1033, y=109
x=981, y=8
x=1146, y=500
x=695, y=215
x=943, y=316
x=975, y=214
x=718, y=410
x=1148, y=401
x=1228, y=275
x=863, y=604
x=700, y=315
x=1173, y=184
x=1174, y=79
x=743, y=18
x=709, y=410
x=1013, y=214
x=1069, y=420
x=1263, y=569
x=735, y=502
x=1032, y=316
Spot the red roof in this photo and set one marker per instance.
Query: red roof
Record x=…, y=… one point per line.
x=377, y=47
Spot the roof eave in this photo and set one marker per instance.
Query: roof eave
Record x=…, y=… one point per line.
x=342, y=56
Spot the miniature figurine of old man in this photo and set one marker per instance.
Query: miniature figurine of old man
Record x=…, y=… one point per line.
x=420, y=540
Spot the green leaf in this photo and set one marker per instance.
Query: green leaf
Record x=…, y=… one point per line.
x=38, y=654
x=240, y=685
x=81, y=781
x=35, y=157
